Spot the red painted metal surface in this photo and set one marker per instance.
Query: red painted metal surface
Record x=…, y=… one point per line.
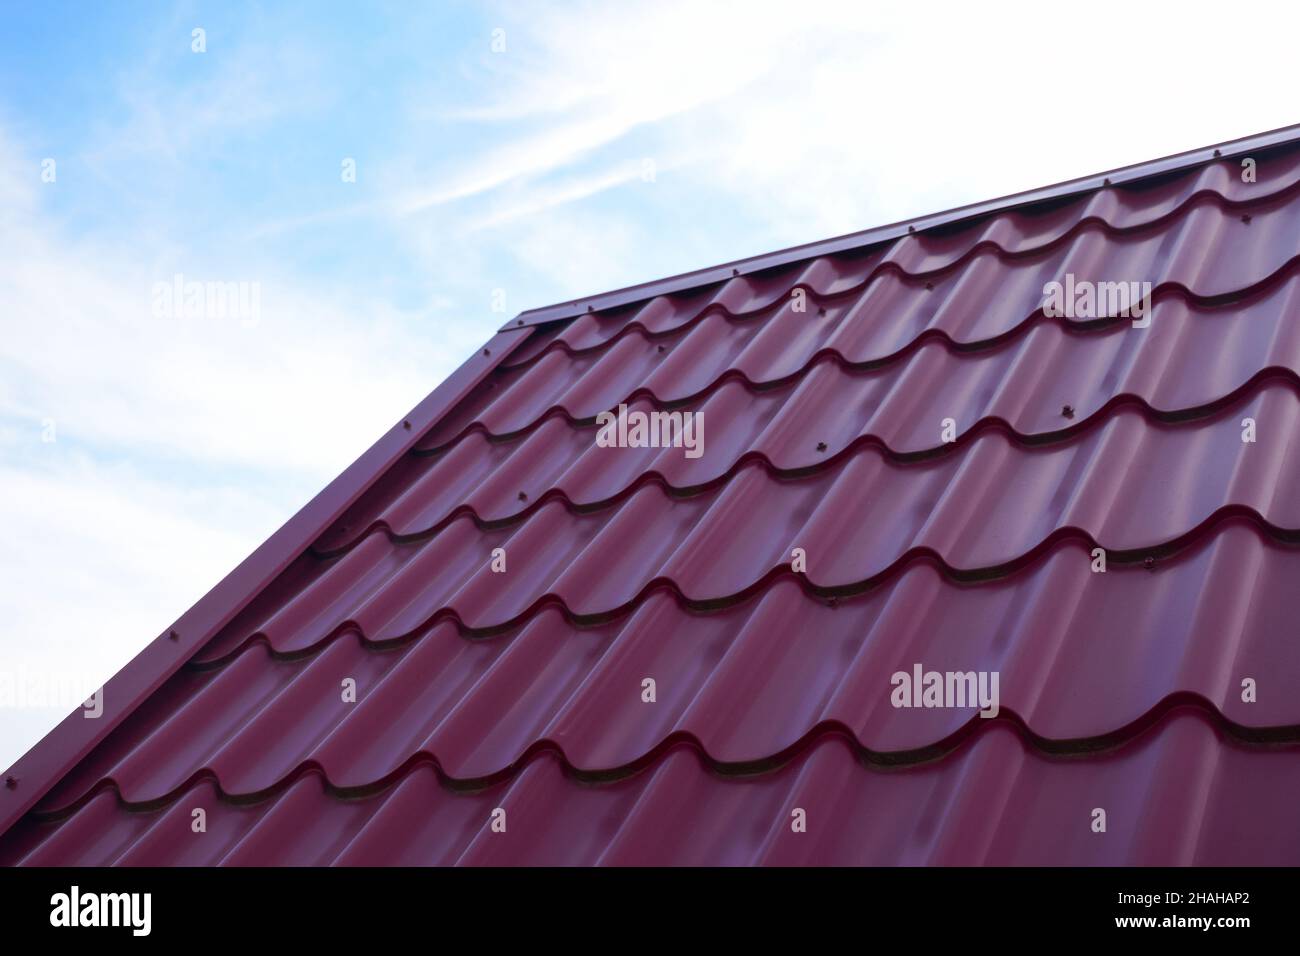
x=823, y=387
x=1182, y=795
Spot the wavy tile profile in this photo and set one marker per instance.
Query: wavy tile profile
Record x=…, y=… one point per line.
x=1181, y=796
x=792, y=439
x=1115, y=359
x=984, y=511
x=644, y=656
x=1153, y=204
x=748, y=683
x=1210, y=257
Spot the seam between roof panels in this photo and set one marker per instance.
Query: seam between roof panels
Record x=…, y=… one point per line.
x=1082, y=748
x=981, y=348
x=830, y=594
x=1052, y=436
x=1259, y=289
x=1256, y=385
x=891, y=267
x=1071, y=327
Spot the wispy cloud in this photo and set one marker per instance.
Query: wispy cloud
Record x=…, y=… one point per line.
x=143, y=457
x=844, y=115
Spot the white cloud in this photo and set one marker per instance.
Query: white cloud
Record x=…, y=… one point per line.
x=180, y=443
x=839, y=116
x=583, y=77
x=294, y=391
x=551, y=196
x=101, y=559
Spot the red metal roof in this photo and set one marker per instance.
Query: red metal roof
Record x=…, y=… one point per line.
x=522, y=690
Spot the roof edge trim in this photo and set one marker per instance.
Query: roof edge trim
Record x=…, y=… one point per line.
x=57, y=752
x=854, y=240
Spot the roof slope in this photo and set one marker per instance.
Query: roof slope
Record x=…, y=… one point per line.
x=822, y=383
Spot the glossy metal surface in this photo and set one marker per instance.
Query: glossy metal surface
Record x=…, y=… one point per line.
x=523, y=689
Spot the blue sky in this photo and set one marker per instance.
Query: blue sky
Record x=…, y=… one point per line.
x=532, y=151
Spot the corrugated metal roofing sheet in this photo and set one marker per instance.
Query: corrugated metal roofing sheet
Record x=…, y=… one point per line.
x=823, y=387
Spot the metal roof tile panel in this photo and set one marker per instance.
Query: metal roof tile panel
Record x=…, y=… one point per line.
x=1181, y=794
x=984, y=507
x=1050, y=235
x=822, y=432
x=1083, y=658
x=1046, y=384
x=1207, y=255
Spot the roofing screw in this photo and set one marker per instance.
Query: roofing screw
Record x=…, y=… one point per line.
x=735, y=272
x=487, y=351
x=591, y=308
x=406, y=424
x=929, y=287
x=523, y=496
x=1106, y=181
x=173, y=635
x=822, y=310
x=519, y=321
x=911, y=228
x=11, y=781
x=1246, y=219
x=1149, y=563
x=821, y=446
x=1217, y=154
x=661, y=348
x=1067, y=411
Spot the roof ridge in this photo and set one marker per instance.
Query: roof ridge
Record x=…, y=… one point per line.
x=857, y=240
